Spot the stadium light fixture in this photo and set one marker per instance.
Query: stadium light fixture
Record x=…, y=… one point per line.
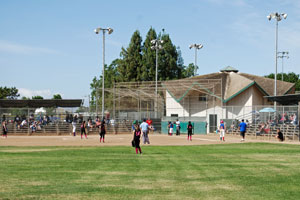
x=196, y=46
x=278, y=17
x=157, y=45
x=97, y=31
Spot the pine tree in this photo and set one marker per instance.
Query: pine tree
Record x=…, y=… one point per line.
x=130, y=68
x=149, y=56
x=168, y=56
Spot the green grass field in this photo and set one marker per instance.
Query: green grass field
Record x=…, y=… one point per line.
x=225, y=171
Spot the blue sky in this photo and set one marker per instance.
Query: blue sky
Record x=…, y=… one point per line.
x=49, y=47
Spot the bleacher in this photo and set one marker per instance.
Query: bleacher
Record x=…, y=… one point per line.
x=289, y=131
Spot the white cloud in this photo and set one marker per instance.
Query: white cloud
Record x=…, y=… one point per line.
x=24, y=92
x=10, y=47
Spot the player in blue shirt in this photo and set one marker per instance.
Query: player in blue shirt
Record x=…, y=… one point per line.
x=222, y=131
x=243, y=128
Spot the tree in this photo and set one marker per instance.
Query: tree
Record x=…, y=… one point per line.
x=110, y=77
x=56, y=96
x=37, y=97
x=25, y=98
x=189, y=70
x=149, y=57
x=9, y=93
x=290, y=77
x=130, y=66
x=168, y=56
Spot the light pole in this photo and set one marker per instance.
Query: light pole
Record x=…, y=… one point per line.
x=278, y=17
x=157, y=46
x=283, y=56
x=97, y=31
x=196, y=46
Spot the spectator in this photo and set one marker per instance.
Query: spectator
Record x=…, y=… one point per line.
x=279, y=135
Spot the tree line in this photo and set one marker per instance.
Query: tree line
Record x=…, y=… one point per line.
x=13, y=93
x=289, y=77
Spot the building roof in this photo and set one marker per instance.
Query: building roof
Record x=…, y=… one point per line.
x=229, y=69
x=290, y=99
x=37, y=103
x=232, y=84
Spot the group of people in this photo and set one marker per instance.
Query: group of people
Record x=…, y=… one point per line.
x=99, y=125
x=173, y=125
x=243, y=128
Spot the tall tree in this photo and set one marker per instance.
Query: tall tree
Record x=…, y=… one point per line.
x=168, y=56
x=9, y=93
x=149, y=57
x=130, y=68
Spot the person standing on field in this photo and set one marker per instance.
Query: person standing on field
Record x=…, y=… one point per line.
x=74, y=123
x=177, y=127
x=102, y=130
x=83, y=127
x=137, y=134
x=190, y=131
x=222, y=131
x=243, y=128
x=4, y=129
x=171, y=128
x=145, y=129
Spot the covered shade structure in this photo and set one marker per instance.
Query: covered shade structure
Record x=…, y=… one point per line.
x=37, y=103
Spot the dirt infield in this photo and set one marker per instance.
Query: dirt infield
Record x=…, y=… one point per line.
x=125, y=140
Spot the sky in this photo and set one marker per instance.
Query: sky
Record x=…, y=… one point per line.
x=49, y=47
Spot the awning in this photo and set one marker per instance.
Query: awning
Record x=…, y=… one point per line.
x=290, y=99
x=37, y=103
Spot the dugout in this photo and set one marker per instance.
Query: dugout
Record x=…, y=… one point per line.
x=55, y=110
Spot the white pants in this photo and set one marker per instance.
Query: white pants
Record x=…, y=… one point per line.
x=74, y=126
x=222, y=133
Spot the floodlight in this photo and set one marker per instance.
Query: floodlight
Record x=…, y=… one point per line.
x=97, y=30
x=200, y=46
x=269, y=17
x=284, y=15
x=161, y=41
x=110, y=30
x=191, y=46
x=153, y=41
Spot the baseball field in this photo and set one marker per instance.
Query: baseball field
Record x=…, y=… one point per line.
x=65, y=167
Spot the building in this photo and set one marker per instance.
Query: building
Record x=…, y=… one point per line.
x=228, y=94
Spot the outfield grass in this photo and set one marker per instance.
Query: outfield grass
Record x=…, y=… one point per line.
x=227, y=171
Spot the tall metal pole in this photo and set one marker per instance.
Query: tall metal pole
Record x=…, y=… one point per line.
x=156, y=74
x=103, y=73
x=276, y=49
x=282, y=69
x=195, y=73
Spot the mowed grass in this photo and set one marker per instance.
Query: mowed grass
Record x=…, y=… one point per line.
x=225, y=171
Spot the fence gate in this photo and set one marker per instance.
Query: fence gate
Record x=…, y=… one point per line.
x=212, y=123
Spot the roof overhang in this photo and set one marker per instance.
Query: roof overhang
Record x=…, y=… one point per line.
x=290, y=99
x=37, y=103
